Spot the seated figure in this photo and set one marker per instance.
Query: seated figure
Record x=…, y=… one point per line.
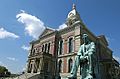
x=84, y=59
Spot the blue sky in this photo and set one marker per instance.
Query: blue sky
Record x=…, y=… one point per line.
x=20, y=18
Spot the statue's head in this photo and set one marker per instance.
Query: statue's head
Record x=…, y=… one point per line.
x=85, y=38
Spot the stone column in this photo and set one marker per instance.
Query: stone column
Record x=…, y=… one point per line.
x=39, y=65
x=33, y=66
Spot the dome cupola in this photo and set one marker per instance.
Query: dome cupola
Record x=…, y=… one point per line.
x=73, y=16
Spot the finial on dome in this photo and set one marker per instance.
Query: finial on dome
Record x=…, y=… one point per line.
x=74, y=6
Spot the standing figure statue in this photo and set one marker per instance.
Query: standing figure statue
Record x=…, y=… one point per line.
x=84, y=59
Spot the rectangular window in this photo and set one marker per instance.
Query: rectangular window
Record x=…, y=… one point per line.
x=45, y=48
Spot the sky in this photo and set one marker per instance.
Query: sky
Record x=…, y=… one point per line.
x=22, y=21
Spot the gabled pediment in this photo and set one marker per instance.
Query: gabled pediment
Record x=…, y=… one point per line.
x=47, y=31
x=103, y=38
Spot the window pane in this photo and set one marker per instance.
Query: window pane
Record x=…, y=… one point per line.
x=45, y=48
x=61, y=47
x=70, y=45
x=48, y=48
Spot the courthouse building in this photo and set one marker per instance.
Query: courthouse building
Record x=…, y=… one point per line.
x=52, y=55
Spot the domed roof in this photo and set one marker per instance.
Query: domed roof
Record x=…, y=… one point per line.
x=73, y=12
x=73, y=17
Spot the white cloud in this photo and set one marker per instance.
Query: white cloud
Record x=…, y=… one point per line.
x=24, y=68
x=117, y=58
x=5, y=34
x=1, y=63
x=62, y=26
x=33, y=26
x=25, y=48
x=110, y=39
x=11, y=58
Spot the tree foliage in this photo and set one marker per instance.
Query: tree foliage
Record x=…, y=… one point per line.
x=4, y=72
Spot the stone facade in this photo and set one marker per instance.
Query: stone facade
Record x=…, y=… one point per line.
x=42, y=57
x=54, y=52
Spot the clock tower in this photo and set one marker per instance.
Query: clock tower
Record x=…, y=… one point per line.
x=73, y=16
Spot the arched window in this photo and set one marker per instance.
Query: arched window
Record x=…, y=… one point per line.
x=37, y=63
x=33, y=51
x=60, y=66
x=70, y=45
x=60, y=47
x=29, y=67
x=70, y=63
x=36, y=50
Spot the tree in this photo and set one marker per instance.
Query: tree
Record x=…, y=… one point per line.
x=4, y=72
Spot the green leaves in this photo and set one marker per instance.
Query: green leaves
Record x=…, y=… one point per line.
x=4, y=72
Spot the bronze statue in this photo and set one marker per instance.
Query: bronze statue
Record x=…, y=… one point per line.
x=84, y=59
